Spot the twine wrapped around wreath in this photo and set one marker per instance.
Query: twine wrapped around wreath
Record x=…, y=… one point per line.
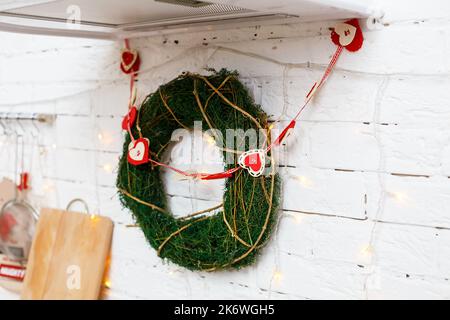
x=230, y=238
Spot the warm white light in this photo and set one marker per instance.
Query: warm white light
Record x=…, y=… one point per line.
x=211, y=140
x=54, y=146
x=399, y=196
x=107, y=284
x=105, y=138
x=367, y=250
x=108, y=168
x=304, y=181
x=277, y=276
x=297, y=217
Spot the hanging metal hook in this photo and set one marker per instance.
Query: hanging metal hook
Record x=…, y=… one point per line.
x=7, y=124
x=5, y=131
x=35, y=134
x=9, y=120
x=17, y=118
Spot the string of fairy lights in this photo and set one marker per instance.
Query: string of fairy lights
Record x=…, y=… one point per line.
x=105, y=138
x=366, y=251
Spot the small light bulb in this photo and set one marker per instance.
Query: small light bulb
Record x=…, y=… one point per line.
x=107, y=284
x=211, y=140
x=93, y=217
x=100, y=136
x=399, y=196
x=367, y=250
x=108, y=168
x=304, y=181
x=297, y=217
x=277, y=276
x=54, y=146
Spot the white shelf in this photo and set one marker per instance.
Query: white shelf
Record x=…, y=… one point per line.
x=115, y=19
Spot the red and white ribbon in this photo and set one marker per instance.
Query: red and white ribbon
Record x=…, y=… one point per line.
x=345, y=30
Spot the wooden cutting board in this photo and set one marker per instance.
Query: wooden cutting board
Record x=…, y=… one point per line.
x=68, y=256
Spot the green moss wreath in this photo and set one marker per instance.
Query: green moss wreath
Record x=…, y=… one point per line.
x=230, y=238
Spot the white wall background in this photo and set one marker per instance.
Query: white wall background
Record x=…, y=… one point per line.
x=366, y=201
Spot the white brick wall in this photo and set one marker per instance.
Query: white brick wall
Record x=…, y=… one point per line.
x=369, y=162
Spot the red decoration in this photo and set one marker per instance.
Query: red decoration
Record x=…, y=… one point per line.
x=12, y=272
x=285, y=133
x=130, y=62
x=23, y=181
x=138, y=151
x=345, y=35
x=253, y=161
x=348, y=35
x=129, y=120
x=7, y=222
x=220, y=175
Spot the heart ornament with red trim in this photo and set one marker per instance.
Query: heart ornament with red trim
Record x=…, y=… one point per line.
x=254, y=161
x=129, y=119
x=348, y=35
x=130, y=61
x=138, y=151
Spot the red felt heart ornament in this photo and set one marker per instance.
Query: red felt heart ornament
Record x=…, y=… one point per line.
x=129, y=119
x=254, y=161
x=130, y=61
x=348, y=35
x=138, y=151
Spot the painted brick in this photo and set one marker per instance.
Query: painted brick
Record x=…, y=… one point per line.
x=342, y=146
x=393, y=286
x=313, y=190
x=409, y=199
x=411, y=249
x=381, y=121
x=311, y=278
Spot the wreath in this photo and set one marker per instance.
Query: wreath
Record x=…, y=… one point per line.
x=230, y=238
x=233, y=237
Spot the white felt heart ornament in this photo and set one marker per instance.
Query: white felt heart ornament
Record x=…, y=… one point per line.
x=138, y=151
x=346, y=33
x=254, y=161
